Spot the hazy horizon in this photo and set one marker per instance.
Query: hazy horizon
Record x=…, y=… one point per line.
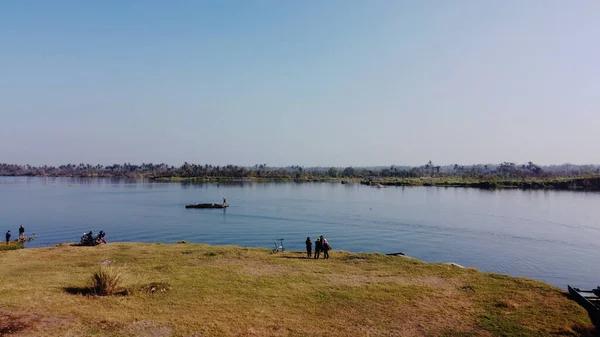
x=335, y=83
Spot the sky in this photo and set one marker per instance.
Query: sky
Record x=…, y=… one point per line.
x=311, y=83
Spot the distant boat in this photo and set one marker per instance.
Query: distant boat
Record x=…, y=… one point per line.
x=589, y=299
x=207, y=206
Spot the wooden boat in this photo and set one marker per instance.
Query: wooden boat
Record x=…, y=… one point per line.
x=207, y=206
x=589, y=299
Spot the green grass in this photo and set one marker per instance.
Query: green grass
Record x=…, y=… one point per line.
x=197, y=290
x=13, y=245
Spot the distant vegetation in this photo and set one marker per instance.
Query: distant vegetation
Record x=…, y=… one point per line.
x=480, y=172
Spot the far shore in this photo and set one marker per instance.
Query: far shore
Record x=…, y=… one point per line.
x=591, y=183
x=570, y=183
x=561, y=183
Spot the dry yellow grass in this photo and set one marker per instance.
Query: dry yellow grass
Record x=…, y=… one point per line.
x=201, y=290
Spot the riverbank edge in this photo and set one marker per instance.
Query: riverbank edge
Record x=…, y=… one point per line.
x=579, y=183
x=571, y=184
x=363, y=282
x=16, y=245
x=590, y=184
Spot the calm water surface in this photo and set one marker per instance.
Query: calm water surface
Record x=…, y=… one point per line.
x=553, y=236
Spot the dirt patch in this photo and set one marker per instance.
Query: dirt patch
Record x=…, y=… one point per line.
x=148, y=329
x=11, y=323
x=14, y=323
x=7, y=328
x=49, y=322
x=110, y=326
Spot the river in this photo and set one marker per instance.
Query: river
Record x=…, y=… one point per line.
x=553, y=236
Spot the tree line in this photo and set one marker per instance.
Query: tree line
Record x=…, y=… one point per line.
x=189, y=170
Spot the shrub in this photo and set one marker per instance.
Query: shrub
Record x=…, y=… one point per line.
x=12, y=246
x=106, y=280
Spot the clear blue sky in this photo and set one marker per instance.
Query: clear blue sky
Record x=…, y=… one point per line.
x=299, y=82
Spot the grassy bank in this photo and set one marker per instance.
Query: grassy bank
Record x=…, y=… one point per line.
x=13, y=245
x=201, y=290
x=16, y=244
x=563, y=183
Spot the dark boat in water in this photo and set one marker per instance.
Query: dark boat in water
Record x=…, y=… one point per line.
x=589, y=299
x=213, y=205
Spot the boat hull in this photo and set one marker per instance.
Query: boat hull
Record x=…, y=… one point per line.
x=207, y=206
x=590, y=300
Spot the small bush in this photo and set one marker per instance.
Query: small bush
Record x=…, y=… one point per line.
x=11, y=246
x=106, y=280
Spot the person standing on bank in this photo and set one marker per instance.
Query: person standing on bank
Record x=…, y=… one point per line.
x=318, y=248
x=308, y=247
x=8, y=234
x=21, y=233
x=326, y=248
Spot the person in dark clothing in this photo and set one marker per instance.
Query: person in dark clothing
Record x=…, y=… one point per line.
x=8, y=234
x=224, y=201
x=326, y=248
x=100, y=237
x=318, y=248
x=308, y=247
x=21, y=233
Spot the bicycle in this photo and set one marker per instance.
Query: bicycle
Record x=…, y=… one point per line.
x=278, y=248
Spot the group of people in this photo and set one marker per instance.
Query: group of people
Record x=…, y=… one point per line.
x=21, y=234
x=321, y=245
